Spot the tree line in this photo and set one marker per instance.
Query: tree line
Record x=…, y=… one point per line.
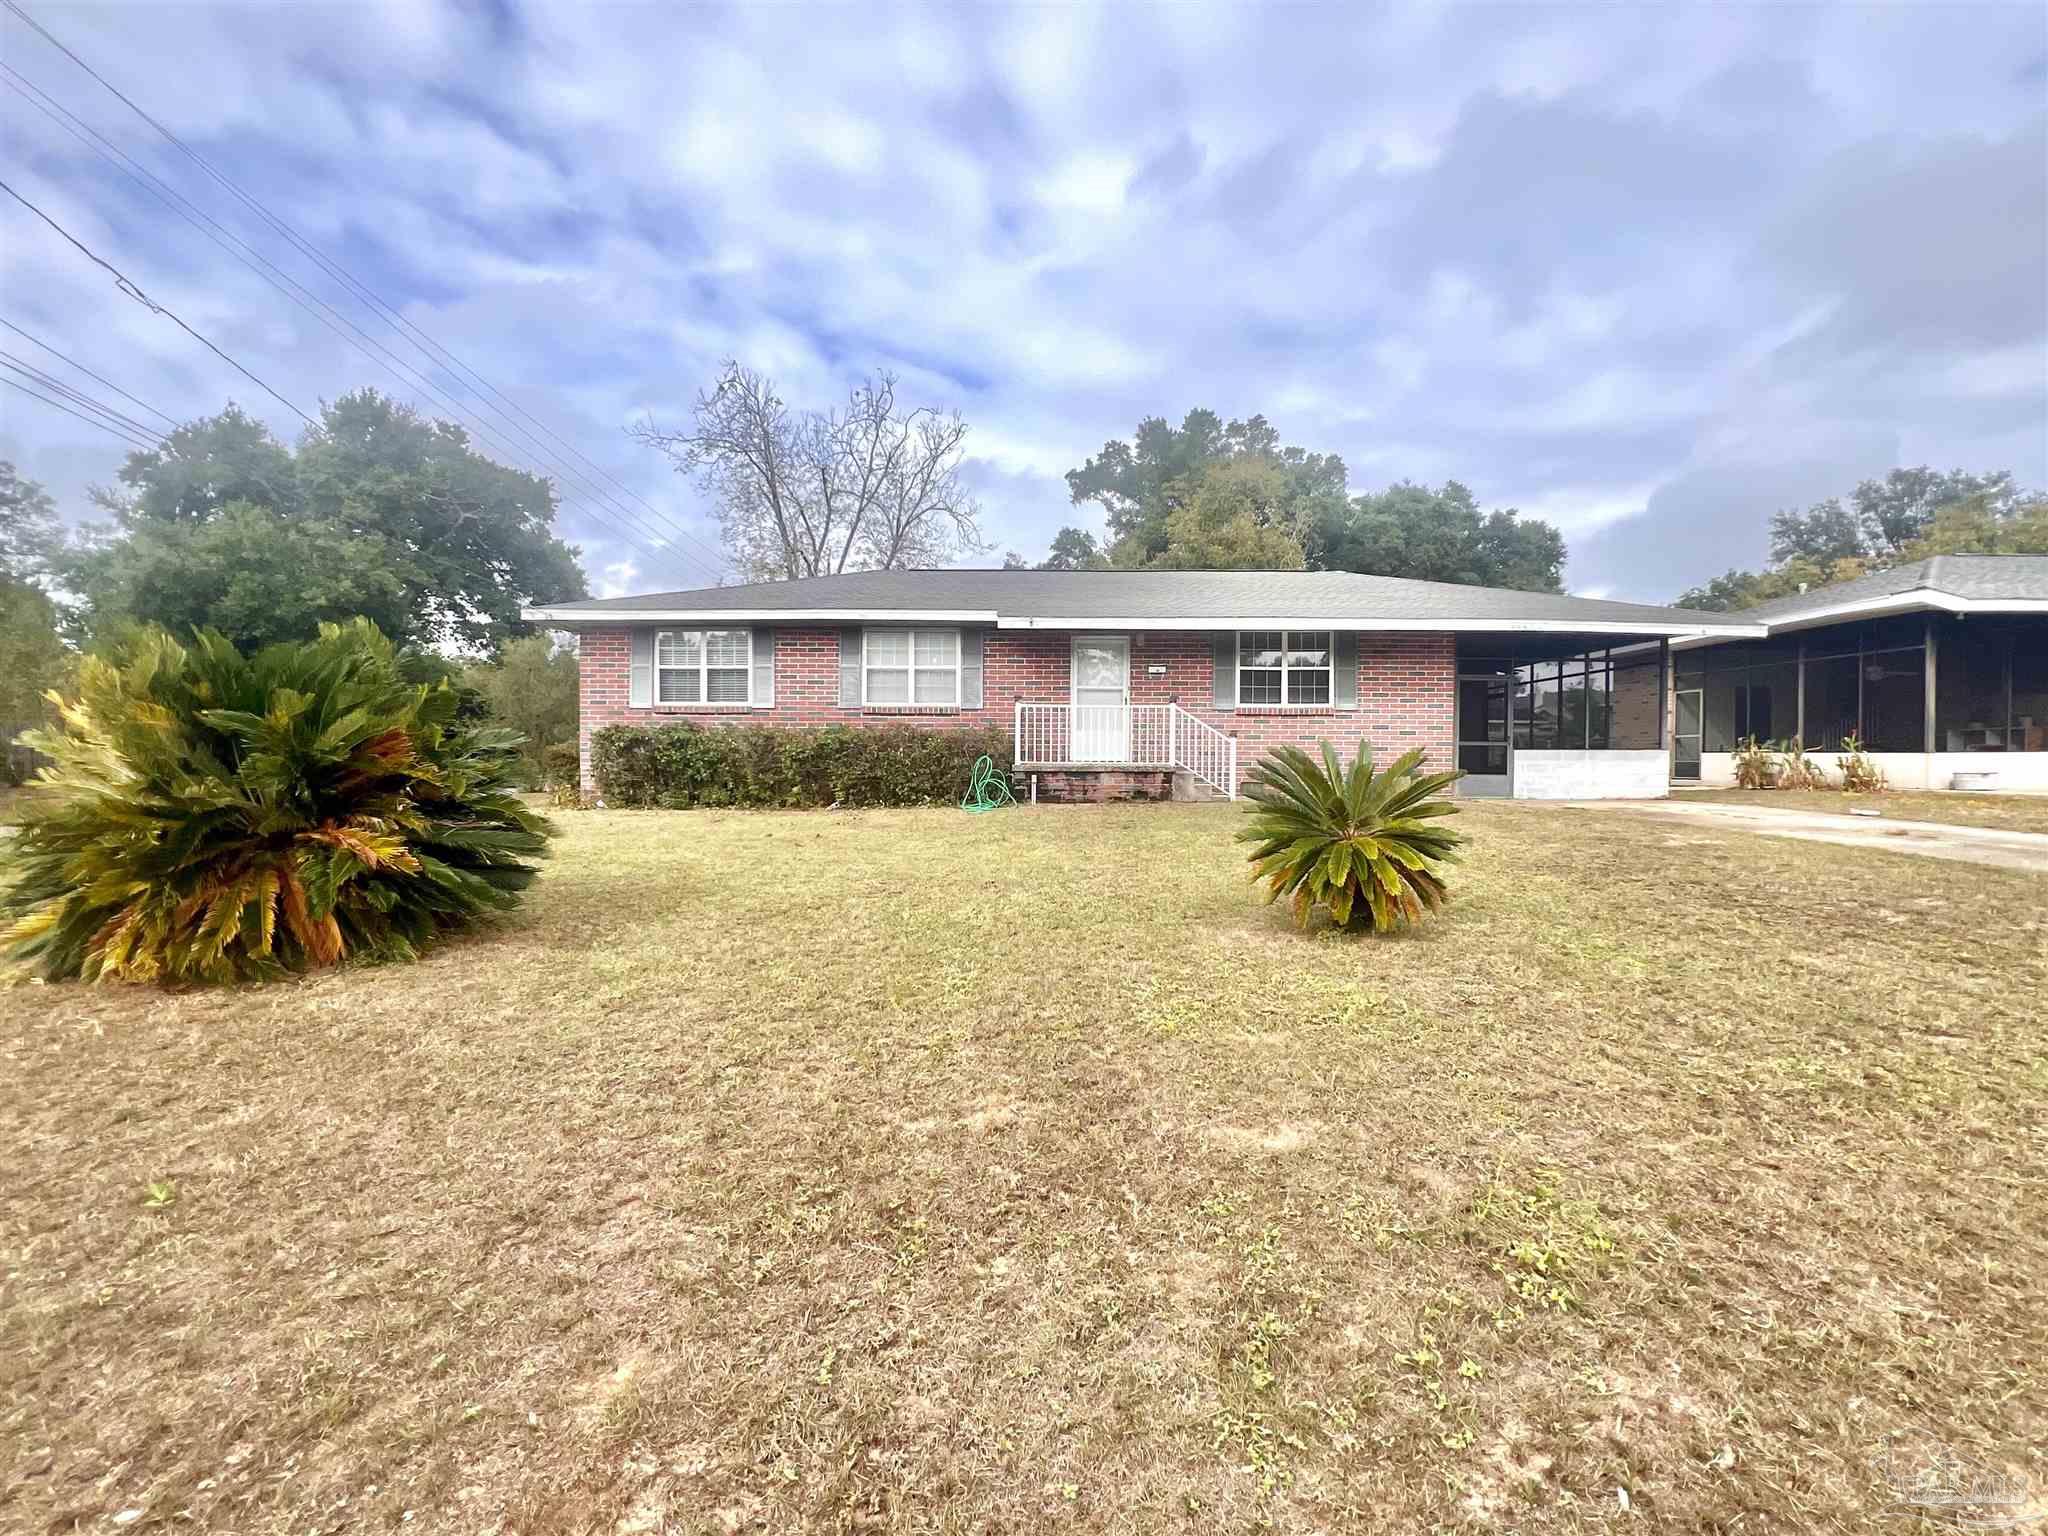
x=377, y=511
x=1911, y=514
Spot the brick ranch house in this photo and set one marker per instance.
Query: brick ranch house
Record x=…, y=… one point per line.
x=1146, y=683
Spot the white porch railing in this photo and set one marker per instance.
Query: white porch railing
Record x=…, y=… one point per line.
x=1163, y=736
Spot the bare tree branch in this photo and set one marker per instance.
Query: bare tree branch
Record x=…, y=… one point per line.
x=814, y=493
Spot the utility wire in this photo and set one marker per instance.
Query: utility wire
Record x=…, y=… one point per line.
x=88, y=420
x=121, y=282
x=77, y=396
x=74, y=362
x=621, y=523
x=425, y=342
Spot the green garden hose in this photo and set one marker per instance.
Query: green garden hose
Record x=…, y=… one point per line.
x=987, y=790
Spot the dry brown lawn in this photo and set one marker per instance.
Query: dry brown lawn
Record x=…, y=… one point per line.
x=2013, y=813
x=911, y=1172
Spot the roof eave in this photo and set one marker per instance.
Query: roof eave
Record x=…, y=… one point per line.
x=1914, y=600
x=574, y=617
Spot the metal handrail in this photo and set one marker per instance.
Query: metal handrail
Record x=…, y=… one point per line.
x=1086, y=736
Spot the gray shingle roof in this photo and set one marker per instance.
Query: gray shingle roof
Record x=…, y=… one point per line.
x=1982, y=578
x=1156, y=596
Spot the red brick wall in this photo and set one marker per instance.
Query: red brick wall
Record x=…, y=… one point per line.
x=1407, y=693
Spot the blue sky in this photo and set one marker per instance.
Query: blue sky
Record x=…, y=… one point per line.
x=1650, y=272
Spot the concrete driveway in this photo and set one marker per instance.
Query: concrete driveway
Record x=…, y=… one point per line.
x=1934, y=840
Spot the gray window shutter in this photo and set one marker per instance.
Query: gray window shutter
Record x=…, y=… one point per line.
x=764, y=668
x=970, y=668
x=1223, y=683
x=849, y=669
x=640, y=674
x=1344, y=683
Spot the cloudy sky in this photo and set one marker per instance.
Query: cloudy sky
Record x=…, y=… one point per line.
x=1650, y=272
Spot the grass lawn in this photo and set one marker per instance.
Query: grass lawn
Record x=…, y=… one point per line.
x=2013, y=813
x=908, y=1171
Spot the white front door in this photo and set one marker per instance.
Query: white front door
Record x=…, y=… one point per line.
x=1102, y=698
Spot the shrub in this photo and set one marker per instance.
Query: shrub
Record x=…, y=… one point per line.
x=217, y=817
x=679, y=766
x=1859, y=774
x=561, y=763
x=1357, y=841
x=1793, y=769
x=1755, y=767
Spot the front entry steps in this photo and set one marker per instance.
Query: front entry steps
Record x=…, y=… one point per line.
x=1187, y=787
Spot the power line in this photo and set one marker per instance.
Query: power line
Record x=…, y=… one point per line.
x=88, y=420
x=171, y=199
x=121, y=282
x=74, y=362
x=77, y=396
x=433, y=349
x=619, y=519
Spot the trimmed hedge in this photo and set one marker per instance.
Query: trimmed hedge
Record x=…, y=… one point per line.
x=678, y=766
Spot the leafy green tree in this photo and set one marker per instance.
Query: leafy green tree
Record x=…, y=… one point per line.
x=1410, y=530
x=1273, y=500
x=1228, y=518
x=531, y=688
x=1825, y=532
x=1745, y=589
x=1074, y=549
x=1139, y=484
x=29, y=535
x=244, y=570
x=1980, y=525
x=33, y=658
x=1903, y=505
x=380, y=512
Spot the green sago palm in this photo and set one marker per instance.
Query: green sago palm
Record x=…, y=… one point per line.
x=1359, y=842
x=217, y=817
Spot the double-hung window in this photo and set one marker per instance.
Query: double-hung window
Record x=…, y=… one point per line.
x=703, y=666
x=911, y=666
x=1276, y=667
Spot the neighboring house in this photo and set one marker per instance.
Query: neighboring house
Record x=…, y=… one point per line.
x=1146, y=682
x=1940, y=667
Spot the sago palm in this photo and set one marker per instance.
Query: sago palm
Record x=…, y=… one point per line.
x=214, y=817
x=1359, y=842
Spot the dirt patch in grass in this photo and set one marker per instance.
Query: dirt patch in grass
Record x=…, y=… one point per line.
x=906, y=1171
x=2013, y=813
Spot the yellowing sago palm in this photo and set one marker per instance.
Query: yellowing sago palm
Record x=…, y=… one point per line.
x=1358, y=842
x=216, y=817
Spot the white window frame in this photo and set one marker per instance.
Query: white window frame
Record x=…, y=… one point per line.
x=703, y=668
x=1328, y=669
x=910, y=668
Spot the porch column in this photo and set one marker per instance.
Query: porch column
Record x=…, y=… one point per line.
x=1799, y=693
x=1927, y=725
x=1663, y=689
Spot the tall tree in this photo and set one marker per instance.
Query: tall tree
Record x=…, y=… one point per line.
x=531, y=687
x=1825, y=532
x=1074, y=549
x=1290, y=506
x=1411, y=530
x=1140, y=483
x=32, y=656
x=871, y=486
x=29, y=534
x=380, y=512
x=1230, y=517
